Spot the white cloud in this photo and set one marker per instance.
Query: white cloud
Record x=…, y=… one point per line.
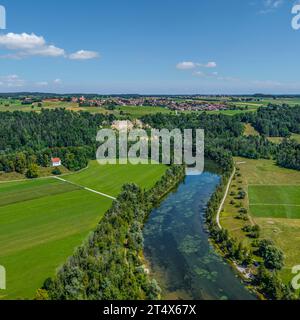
x=47, y=51
x=202, y=74
x=25, y=45
x=57, y=81
x=15, y=81
x=21, y=41
x=84, y=55
x=29, y=45
x=199, y=74
x=188, y=65
x=271, y=5
x=11, y=81
x=210, y=64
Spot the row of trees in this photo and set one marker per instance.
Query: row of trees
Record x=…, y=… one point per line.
x=108, y=266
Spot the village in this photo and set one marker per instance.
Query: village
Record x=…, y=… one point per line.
x=171, y=103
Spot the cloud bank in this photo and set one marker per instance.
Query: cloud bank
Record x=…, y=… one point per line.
x=25, y=45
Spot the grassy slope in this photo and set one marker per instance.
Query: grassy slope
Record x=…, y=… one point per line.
x=278, y=140
x=250, y=130
x=42, y=221
x=284, y=232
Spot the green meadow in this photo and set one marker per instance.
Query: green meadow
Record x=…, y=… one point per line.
x=275, y=201
x=43, y=221
x=109, y=178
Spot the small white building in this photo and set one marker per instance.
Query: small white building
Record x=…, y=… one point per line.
x=124, y=125
x=56, y=162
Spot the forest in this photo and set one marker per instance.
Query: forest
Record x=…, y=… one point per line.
x=223, y=132
x=275, y=120
x=29, y=139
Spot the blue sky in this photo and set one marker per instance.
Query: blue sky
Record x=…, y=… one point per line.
x=150, y=46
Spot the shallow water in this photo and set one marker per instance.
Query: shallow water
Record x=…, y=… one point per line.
x=178, y=250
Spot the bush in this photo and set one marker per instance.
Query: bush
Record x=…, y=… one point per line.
x=32, y=172
x=273, y=257
x=56, y=172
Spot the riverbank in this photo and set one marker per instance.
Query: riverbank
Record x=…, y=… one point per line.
x=224, y=245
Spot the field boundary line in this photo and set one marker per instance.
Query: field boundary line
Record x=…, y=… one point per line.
x=85, y=188
x=275, y=204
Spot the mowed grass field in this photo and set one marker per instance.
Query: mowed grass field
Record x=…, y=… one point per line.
x=43, y=221
x=109, y=178
x=273, y=202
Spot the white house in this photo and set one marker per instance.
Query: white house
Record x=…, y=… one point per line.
x=56, y=162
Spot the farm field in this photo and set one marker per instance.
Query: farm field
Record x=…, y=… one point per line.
x=139, y=111
x=231, y=112
x=142, y=111
x=132, y=111
x=109, y=178
x=279, y=101
x=273, y=202
x=43, y=221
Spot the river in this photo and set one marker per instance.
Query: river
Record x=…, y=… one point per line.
x=178, y=250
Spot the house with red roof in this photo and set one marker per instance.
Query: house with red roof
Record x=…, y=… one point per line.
x=56, y=162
